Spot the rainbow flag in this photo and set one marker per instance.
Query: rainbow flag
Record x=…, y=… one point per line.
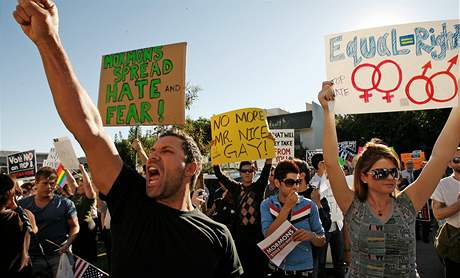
x=61, y=176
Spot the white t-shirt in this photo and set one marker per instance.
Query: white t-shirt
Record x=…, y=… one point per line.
x=325, y=191
x=447, y=192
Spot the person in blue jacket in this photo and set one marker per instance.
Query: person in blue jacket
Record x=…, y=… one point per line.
x=301, y=212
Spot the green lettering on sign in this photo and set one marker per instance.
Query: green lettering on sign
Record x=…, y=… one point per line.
x=132, y=114
x=111, y=93
x=145, y=116
x=125, y=91
x=120, y=112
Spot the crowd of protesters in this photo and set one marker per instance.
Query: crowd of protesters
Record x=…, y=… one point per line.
x=153, y=221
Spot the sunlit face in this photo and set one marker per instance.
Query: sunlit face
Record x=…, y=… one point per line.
x=45, y=186
x=165, y=168
x=385, y=185
x=247, y=174
x=286, y=185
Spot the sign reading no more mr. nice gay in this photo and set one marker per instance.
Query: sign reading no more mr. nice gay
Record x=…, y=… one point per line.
x=395, y=68
x=240, y=135
x=143, y=86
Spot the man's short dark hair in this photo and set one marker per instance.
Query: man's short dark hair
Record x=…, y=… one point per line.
x=303, y=168
x=316, y=159
x=244, y=163
x=191, y=150
x=285, y=167
x=6, y=184
x=45, y=173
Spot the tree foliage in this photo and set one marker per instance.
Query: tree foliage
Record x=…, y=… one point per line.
x=405, y=131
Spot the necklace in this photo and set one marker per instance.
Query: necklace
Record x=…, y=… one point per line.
x=379, y=210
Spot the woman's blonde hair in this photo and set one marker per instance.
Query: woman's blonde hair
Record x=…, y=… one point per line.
x=371, y=154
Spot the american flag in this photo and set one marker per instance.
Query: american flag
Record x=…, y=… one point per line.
x=83, y=269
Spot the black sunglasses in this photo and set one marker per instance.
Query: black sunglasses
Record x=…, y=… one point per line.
x=246, y=171
x=291, y=182
x=383, y=173
x=456, y=159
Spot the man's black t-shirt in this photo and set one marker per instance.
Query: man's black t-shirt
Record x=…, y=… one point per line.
x=154, y=240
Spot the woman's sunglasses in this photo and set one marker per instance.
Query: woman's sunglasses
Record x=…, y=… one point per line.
x=383, y=173
x=291, y=182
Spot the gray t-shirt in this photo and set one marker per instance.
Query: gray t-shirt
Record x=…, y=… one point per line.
x=382, y=249
x=51, y=221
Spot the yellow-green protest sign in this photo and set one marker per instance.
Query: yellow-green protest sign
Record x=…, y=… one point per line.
x=143, y=87
x=241, y=135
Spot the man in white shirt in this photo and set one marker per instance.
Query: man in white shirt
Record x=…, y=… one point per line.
x=408, y=173
x=446, y=206
x=334, y=236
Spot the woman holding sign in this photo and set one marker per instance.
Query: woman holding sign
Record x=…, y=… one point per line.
x=381, y=220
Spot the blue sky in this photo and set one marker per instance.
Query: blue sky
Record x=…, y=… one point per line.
x=243, y=53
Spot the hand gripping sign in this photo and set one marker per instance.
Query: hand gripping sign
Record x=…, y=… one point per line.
x=241, y=135
x=279, y=244
x=395, y=68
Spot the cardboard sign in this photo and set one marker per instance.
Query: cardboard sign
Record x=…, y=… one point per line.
x=284, y=144
x=241, y=135
x=22, y=165
x=279, y=244
x=395, y=68
x=66, y=153
x=143, y=86
x=416, y=156
x=52, y=160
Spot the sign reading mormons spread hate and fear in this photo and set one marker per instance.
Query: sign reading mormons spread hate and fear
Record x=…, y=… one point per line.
x=22, y=165
x=394, y=68
x=241, y=135
x=279, y=244
x=284, y=144
x=143, y=86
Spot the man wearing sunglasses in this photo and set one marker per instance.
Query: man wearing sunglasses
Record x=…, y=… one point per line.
x=247, y=196
x=446, y=206
x=301, y=212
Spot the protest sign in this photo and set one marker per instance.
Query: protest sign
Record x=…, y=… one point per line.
x=284, y=144
x=395, y=68
x=22, y=165
x=143, y=86
x=349, y=145
x=310, y=153
x=424, y=213
x=279, y=244
x=416, y=156
x=347, y=151
x=52, y=160
x=241, y=135
x=66, y=153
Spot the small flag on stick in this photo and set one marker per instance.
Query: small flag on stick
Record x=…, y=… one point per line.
x=84, y=269
x=61, y=176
